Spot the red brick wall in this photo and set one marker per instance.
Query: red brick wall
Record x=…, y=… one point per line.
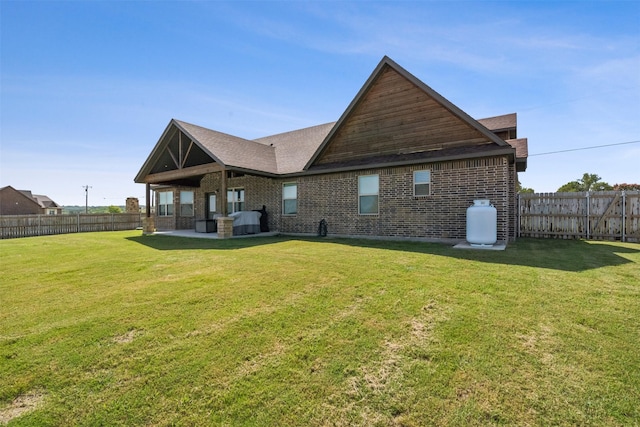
x=334, y=197
x=454, y=186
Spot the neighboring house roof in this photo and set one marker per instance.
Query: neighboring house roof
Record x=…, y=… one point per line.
x=45, y=201
x=23, y=198
x=26, y=193
x=394, y=118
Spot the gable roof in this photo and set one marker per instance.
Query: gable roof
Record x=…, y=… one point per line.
x=232, y=151
x=391, y=104
x=40, y=200
x=271, y=155
x=394, y=118
x=44, y=201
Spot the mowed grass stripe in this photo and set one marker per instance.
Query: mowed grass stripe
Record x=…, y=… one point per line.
x=121, y=329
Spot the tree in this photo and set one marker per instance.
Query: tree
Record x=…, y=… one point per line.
x=627, y=187
x=521, y=189
x=588, y=182
x=114, y=209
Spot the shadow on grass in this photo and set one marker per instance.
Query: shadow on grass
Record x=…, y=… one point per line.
x=565, y=255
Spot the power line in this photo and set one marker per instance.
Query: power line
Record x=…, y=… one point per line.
x=584, y=148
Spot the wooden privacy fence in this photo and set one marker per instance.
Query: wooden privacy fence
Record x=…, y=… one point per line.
x=12, y=226
x=602, y=215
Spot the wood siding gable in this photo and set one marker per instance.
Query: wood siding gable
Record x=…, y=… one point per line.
x=395, y=114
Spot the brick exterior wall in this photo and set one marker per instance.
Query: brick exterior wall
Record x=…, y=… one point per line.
x=334, y=197
x=442, y=215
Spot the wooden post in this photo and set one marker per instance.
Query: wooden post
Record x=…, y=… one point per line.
x=223, y=193
x=148, y=225
x=624, y=216
x=587, y=230
x=518, y=219
x=148, y=197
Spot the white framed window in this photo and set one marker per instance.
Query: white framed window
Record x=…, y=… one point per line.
x=165, y=203
x=212, y=203
x=368, y=189
x=289, y=198
x=235, y=200
x=422, y=183
x=186, y=203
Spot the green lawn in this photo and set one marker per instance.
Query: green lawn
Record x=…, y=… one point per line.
x=104, y=329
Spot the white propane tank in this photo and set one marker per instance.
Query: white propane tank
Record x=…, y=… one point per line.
x=482, y=223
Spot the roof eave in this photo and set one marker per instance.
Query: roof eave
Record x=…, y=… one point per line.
x=498, y=152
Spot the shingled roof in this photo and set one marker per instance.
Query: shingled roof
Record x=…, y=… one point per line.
x=296, y=151
x=232, y=151
x=497, y=123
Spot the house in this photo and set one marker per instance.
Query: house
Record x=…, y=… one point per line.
x=22, y=202
x=401, y=161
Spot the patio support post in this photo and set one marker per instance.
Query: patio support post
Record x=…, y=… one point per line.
x=148, y=225
x=148, y=197
x=223, y=192
x=225, y=223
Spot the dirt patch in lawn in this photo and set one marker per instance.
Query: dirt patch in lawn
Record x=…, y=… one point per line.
x=21, y=405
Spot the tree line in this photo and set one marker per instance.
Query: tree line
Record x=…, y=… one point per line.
x=588, y=182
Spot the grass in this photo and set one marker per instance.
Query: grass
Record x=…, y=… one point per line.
x=120, y=329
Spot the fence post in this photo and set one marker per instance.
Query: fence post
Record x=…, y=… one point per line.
x=624, y=216
x=39, y=225
x=588, y=227
x=78, y=222
x=113, y=227
x=518, y=214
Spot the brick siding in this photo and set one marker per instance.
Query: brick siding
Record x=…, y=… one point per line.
x=334, y=197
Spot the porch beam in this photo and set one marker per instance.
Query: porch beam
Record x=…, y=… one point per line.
x=180, y=156
x=186, y=155
x=160, y=177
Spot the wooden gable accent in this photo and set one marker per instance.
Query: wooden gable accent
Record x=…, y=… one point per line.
x=395, y=114
x=179, y=152
x=177, y=159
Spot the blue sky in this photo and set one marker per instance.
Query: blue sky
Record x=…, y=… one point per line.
x=88, y=87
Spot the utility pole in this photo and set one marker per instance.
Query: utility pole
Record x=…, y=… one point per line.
x=86, y=198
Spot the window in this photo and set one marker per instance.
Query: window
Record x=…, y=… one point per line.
x=368, y=194
x=165, y=203
x=186, y=203
x=235, y=200
x=422, y=183
x=211, y=205
x=289, y=198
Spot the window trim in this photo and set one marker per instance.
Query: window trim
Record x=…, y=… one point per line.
x=416, y=183
x=192, y=204
x=234, y=203
x=284, y=199
x=166, y=204
x=377, y=194
x=211, y=213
